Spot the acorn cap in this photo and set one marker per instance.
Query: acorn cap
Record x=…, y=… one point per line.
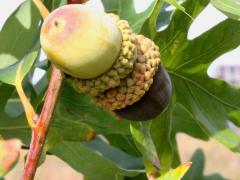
x=133, y=87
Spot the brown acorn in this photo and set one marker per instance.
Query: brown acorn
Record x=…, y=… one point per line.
x=155, y=100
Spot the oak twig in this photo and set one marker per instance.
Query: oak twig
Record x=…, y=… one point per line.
x=40, y=130
x=42, y=123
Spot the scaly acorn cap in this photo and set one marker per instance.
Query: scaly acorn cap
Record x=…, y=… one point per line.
x=81, y=41
x=132, y=88
x=120, y=69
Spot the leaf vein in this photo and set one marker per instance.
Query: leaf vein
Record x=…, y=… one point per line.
x=203, y=89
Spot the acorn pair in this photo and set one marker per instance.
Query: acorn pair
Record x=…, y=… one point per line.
x=103, y=58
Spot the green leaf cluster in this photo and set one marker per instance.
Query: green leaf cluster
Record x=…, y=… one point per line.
x=231, y=8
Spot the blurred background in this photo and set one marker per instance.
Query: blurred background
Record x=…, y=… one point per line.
x=218, y=158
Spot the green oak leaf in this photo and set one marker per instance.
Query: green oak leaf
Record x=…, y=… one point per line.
x=161, y=136
x=144, y=21
x=150, y=25
x=19, y=33
x=231, y=8
x=15, y=73
x=183, y=121
x=141, y=176
x=207, y=100
x=18, y=38
x=164, y=16
x=142, y=136
x=178, y=6
x=126, y=10
x=81, y=108
x=122, y=159
x=98, y=160
x=123, y=142
x=176, y=174
x=12, y=127
x=197, y=168
x=61, y=129
x=53, y=4
x=67, y=130
x=234, y=116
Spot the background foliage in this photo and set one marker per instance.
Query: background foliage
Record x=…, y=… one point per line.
x=200, y=106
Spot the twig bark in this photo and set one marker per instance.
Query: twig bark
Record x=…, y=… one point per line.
x=40, y=130
x=42, y=123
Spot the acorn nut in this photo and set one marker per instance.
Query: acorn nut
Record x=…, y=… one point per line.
x=82, y=42
x=154, y=101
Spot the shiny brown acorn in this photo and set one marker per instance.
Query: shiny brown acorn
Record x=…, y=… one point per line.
x=102, y=57
x=155, y=100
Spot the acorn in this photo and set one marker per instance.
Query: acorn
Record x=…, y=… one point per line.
x=154, y=101
x=102, y=57
x=81, y=41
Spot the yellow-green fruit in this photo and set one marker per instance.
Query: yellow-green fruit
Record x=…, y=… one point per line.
x=81, y=41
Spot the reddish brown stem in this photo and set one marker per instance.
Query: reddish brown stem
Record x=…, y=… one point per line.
x=76, y=1
x=40, y=130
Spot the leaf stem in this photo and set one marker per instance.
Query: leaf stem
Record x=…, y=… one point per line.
x=40, y=130
x=29, y=110
x=41, y=8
